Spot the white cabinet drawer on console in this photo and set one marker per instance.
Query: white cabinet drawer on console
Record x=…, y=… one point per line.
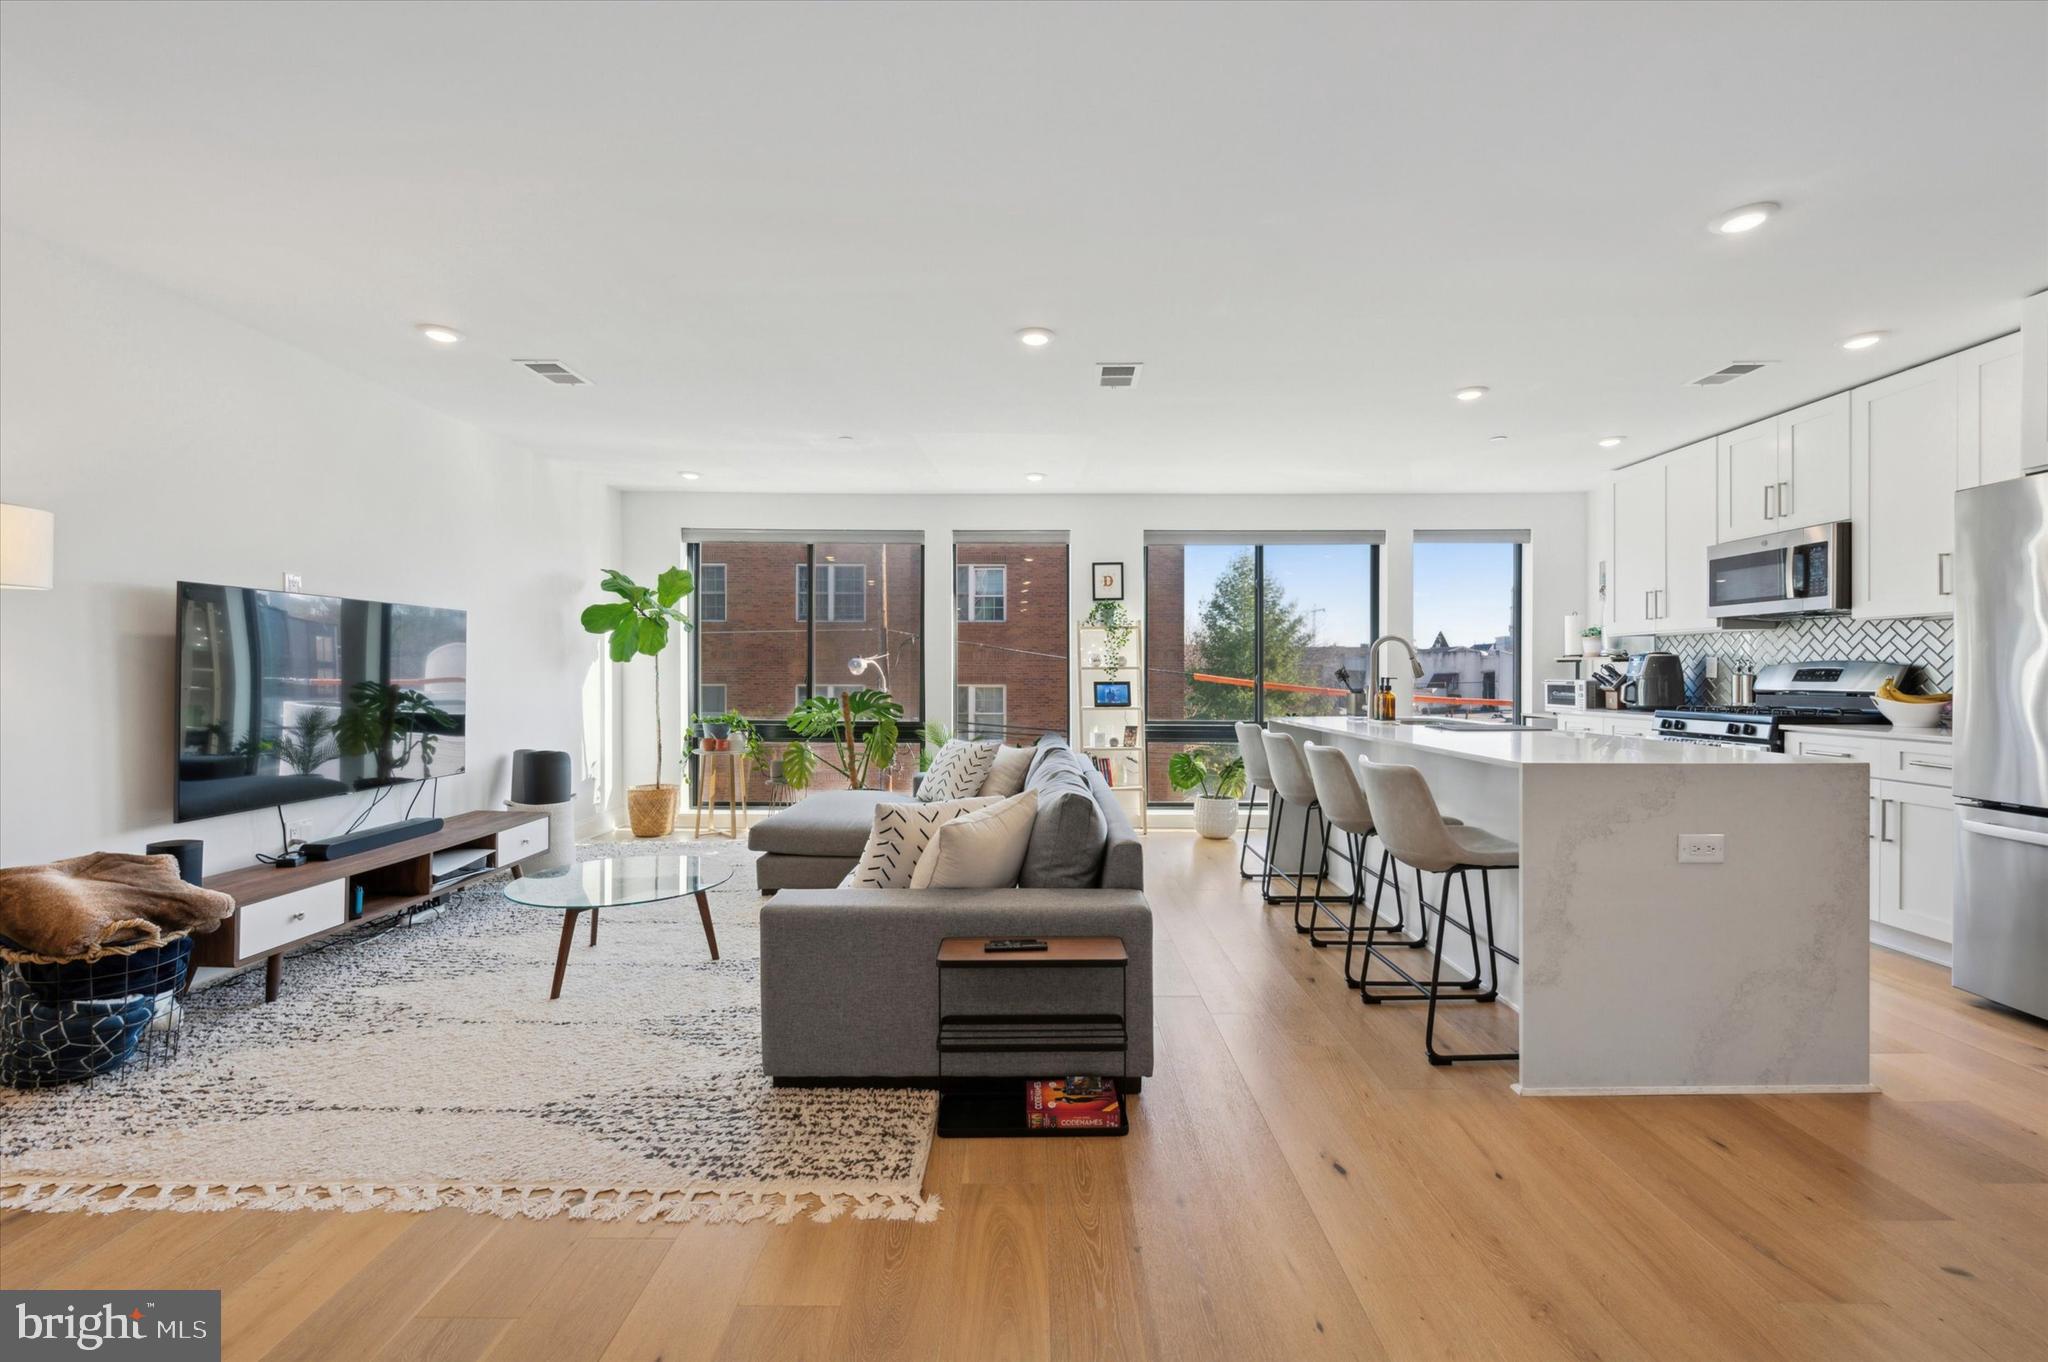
x=528, y=839
x=1923, y=763
x=265, y=926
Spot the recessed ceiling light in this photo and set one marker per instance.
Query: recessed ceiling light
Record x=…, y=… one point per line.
x=1470, y=394
x=1609, y=441
x=1747, y=218
x=1034, y=477
x=1035, y=336
x=1864, y=341
x=688, y=476
x=1496, y=439
x=439, y=334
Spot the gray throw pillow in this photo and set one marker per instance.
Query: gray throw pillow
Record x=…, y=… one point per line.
x=1067, y=839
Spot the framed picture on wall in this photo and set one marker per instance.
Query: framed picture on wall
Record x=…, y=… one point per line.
x=1109, y=581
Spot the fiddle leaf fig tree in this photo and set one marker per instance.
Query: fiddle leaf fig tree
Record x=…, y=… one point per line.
x=638, y=624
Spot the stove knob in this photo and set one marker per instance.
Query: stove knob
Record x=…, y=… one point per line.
x=1749, y=729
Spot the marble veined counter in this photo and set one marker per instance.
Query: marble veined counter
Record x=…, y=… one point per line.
x=1640, y=973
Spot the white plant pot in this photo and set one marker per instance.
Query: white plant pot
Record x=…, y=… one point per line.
x=1216, y=817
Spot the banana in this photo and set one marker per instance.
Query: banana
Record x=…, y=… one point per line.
x=1889, y=690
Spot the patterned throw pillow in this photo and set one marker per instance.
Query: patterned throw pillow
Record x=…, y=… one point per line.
x=898, y=837
x=982, y=850
x=958, y=770
x=1006, y=773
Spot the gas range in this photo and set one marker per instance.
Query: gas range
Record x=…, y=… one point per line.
x=1789, y=693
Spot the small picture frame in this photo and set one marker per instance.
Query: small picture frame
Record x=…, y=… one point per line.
x=1108, y=580
x=1112, y=694
x=1130, y=735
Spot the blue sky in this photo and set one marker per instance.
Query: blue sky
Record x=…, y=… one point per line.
x=1461, y=589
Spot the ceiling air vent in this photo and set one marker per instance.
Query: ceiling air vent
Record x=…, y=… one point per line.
x=1734, y=371
x=554, y=371
x=1119, y=375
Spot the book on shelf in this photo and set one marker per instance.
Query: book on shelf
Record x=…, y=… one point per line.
x=1072, y=1103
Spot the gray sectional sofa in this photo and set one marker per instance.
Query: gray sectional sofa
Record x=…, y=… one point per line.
x=849, y=980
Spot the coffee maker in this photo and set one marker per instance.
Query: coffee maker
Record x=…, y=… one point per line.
x=1654, y=681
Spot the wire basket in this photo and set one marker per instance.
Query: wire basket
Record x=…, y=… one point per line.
x=64, y=1019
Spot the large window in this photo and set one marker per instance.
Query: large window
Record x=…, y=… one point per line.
x=1010, y=639
x=1468, y=625
x=1249, y=631
x=857, y=623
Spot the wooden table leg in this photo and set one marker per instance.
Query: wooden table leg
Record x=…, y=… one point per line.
x=707, y=767
x=273, y=973
x=593, y=926
x=562, y=955
x=704, y=912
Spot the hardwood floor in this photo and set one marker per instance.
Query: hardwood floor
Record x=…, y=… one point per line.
x=1300, y=1183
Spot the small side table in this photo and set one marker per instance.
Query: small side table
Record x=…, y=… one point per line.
x=735, y=791
x=995, y=1106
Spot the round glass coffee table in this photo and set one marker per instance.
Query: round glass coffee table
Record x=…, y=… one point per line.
x=620, y=882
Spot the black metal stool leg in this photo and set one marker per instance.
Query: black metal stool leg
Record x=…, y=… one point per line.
x=1245, y=846
x=1272, y=837
x=1443, y=920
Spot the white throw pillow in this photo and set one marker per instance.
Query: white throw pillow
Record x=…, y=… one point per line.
x=1006, y=773
x=958, y=770
x=898, y=837
x=980, y=850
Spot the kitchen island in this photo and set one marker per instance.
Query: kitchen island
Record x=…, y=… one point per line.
x=1639, y=973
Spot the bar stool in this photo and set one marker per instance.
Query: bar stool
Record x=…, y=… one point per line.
x=1293, y=786
x=1416, y=832
x=1346, y=809
x=1251, y=750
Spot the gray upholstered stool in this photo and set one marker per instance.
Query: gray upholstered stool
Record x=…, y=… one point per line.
x=1345, y=808
x=1251, y=749
x=1410, y=826
x=1293, y=787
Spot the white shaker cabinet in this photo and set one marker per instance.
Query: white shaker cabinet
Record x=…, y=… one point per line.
x=1789, y=471
x=1916, y=855
x=1988, y=382
x=1689, y=524
x=1637, y=580
x=1903, y=483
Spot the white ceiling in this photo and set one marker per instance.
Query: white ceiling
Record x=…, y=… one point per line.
x=758, y=229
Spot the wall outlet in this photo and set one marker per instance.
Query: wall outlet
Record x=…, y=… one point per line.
x=294, y=582
x=1702, y=848
x=299, y=831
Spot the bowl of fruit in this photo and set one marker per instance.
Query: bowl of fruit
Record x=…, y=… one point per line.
x=1910, y=711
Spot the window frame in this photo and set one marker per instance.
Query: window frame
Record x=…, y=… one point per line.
x=724, y=702
x=965, y=710
x=1519, y=605
x=831, y=575
x=704, y=615
x=1224, y=731
x=966, y=601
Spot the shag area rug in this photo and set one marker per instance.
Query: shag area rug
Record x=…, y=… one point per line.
x=423, y=1066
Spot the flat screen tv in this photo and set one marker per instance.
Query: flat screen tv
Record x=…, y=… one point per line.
x=284, y=697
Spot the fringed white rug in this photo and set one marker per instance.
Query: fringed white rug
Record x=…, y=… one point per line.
x=424, y=1066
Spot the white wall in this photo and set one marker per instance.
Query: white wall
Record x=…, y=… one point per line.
x=172, y=443
x=1112, y=528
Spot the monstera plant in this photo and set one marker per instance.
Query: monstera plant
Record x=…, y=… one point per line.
x=639, y=622
x=391, y=724
x=836, y=720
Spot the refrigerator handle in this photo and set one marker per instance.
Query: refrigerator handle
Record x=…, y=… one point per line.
x=2005, y=834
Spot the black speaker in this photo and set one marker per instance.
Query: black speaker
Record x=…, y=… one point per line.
x=189, y=853
x=541, y=777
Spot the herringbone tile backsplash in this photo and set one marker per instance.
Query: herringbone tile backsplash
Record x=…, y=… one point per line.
x=1928, y=643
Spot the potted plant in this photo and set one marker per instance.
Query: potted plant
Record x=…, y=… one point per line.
x=1217, y=788
x=836, y=721
x=1117, y=627
x=638, y=623
x=390, y=724
x=1589, y=641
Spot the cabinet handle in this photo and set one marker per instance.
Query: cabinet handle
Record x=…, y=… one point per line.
x=1941, y=586
x=1646, y=606
x=1826, y=752
x=296, y=917
x=1784, y=499
x=1767, y=502
x=1930, y=765
x=1884, y=821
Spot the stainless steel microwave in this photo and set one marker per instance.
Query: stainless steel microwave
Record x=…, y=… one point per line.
x=1791, y=572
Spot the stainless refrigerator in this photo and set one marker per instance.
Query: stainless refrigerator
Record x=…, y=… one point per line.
x=2001, y=720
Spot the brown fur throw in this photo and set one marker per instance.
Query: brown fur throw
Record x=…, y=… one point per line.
x=68, y=907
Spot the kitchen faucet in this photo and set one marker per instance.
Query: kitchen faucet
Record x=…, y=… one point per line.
x=1372, y=655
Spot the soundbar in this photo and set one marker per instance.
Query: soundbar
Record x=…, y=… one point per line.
x=369, y=839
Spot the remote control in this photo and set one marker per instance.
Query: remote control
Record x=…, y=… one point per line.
x=1015, y=943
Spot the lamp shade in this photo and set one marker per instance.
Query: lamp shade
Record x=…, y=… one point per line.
x=28, y=547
